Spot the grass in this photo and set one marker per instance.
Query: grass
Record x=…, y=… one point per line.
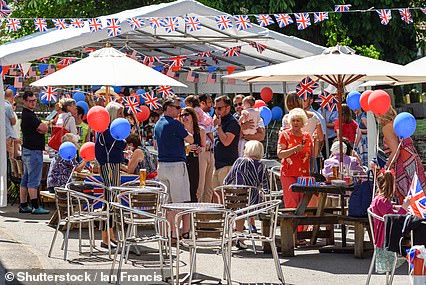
x=421, y=127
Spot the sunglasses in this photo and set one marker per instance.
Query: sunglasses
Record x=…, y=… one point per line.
x=177, y=107
x=238, y=104
x=184, y=115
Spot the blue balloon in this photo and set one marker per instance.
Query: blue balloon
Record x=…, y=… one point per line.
x=79, y=96
x=404, y=125
x=266, y=115
x=117, y=89
x=67, y=150
x=83, y=105
x=277, y=113
x=182, y=102
x=353, y=100
x=43, y=101
x=211, y=113
x=13, y=89
x=140, y=91
x=120, y=129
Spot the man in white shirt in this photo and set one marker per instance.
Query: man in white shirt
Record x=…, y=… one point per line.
x=12, y=139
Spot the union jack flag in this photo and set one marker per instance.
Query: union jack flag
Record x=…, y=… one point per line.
x=342, y=8
x=283, y=20
x=60, y=24
x=165, y=91
x=192, y=24
x=232, y=51
x=242, y=22
x=320, y=16
x=67, y=61
x=259, y=47
x=88, y=50
x=151, y=100
x=385, y=16
x=223, y=22
x=306, y=87
x=49, y=94
x=13, y=24
x=406, y=15
x=113, y=27
x=135, y=23
x=176, y=62
x=264, y=20
x=170, y=24
x=95, y=25
x=418, y=199
x=44, y=59
x=133, y=54
x=132, y=105
x=204, y=54
x=198, y=62
x=40, y=24
x=149, y=60
x=302, y=20
x=4, y=10
x=77, y=23
x=154, y=22
x=327, y=101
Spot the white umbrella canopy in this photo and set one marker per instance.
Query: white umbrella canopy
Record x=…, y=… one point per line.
x=109, y=67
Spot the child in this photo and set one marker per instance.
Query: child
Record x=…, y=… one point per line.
x=381, y=205
x=249, y=114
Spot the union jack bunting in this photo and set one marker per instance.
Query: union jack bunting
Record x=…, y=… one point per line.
x=95, y=24
x=423, y=10
x=165, y=91
x=176, y=62
x=113, y=27
x=259, y=47
x=342, y=8
x=283, y=20
x=60, y=24
x=418, y=199
x=215, y=60
x=302, y=20
x=135, y=23
x=223, y=22
x=67, y=60
x=132, y=105
x=13, y=24
x=40, y=24
x=133, y=54
x=320, y=16
x=198, y=62
x=306, y=87
x=192, y=24
x=385, y=16
x=264, y=20
x=44, y=59
x=170, y=24
x=406, y=15
x=154, y=22
x=49, y=94
x=232, y=51
x=204, y=54
x=4, y=10
x=242, y=22
x=327, y=101
x=76, y=23
x=149, y=60
x=88, y=50
x=151, y=100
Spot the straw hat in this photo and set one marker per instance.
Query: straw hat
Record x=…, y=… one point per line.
x=102, y=91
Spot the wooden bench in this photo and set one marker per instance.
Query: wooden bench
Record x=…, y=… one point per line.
x=47, y=197
x=359, y=225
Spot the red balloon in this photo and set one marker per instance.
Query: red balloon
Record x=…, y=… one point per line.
x=144, y=114
x=379, y=102
x=87, y=151
x=363, y=100
x=98, y=119
x=266, y=94
x=259, y=103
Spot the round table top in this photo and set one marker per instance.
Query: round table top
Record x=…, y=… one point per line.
x=189, y=206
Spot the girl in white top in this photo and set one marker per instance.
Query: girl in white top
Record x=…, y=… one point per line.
x=66, y=119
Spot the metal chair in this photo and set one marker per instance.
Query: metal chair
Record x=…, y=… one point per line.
x=13, y=190
x=126, y=240
x=389, y=279
x=269, y=208
x=210, y=229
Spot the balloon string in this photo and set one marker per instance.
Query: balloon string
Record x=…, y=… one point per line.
x=394, y=157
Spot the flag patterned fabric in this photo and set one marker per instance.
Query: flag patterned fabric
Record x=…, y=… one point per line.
x=204, y=54
x=170, y=24
x=149, y=60
x=283, y=20
x=165, y=91
x=40, y=24
x=95, y=25
x=76, y=23
x=60, y=24
x=327, y=101
x=418, y=199
x=113, y=27
x=342, y=8
x=192, y=24
x=232, y=51
x=198, y=62
x=132, y=105
x=223, y=22
x=4, y=10
x=151, y=100
x=88, y=50
x=176, y=62
x=406, y=15
x=133, y=54
x=44, y=59
x=135, y=23
x=385, y=16
x=302, y=20
x=18, y=82
x=264, y=20
x=306, y=87
x=65, y=61
x=242, y=22
x=320, y=16
x=154, y=22
x=13, y=24
x=49, y=94
x=259, y=47
x=192, y=77
x=211, y=78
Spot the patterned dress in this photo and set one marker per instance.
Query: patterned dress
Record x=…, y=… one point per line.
x=362, y=148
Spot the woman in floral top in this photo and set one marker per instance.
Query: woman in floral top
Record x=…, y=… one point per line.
x=294, y=150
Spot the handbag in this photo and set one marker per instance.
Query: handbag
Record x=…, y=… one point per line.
x=57, y=133
x=361, y=197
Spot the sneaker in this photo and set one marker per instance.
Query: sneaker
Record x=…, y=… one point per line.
x=104, y=245
x=26, y=209
x=40, y=211
x=253, y=229
x=241, y=245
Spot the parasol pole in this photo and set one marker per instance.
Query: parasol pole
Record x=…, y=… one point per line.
x=340, y=91
x=107, y=93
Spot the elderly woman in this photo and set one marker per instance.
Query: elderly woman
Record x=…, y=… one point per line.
x=349, y=162
x=405, y=159
x=66, y=118
x=140, y=158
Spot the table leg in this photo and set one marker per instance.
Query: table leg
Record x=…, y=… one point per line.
x=287, y=238
x=319, y=213
x=300, y=211
x=265, y=232
x=343, y=226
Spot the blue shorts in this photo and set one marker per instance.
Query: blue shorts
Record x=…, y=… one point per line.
x=33, y=167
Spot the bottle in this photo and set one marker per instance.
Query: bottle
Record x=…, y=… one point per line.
x=142, y=177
